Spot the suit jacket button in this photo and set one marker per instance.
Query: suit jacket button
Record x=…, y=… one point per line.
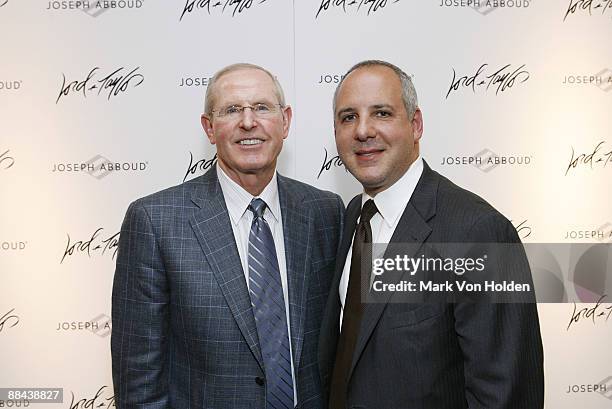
x=259, y=380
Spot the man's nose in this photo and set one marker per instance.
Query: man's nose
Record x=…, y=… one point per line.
x=248, y=119
x=364, y=129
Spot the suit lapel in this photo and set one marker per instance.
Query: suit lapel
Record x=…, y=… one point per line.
x=412, y=228
x=298, y=233
x=213, y=230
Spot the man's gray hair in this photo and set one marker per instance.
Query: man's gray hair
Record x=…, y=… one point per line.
x=409, y=95
x=210, y=90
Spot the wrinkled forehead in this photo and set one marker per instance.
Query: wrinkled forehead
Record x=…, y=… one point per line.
x=245, y=85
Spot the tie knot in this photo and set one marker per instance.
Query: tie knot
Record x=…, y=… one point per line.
x=257, y=206
x=368, y=211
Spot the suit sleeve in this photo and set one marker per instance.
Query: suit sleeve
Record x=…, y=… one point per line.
x=501, y=343
x=140, y=299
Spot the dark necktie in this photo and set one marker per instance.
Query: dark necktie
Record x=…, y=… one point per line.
x=353, y=307
x=268, y=302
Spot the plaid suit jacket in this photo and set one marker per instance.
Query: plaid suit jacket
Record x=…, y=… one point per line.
x=184, y=334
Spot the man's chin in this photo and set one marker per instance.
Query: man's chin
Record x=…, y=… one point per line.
x=253, y=168
x=371, y=182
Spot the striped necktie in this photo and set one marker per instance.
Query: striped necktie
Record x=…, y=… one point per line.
x=268, y=302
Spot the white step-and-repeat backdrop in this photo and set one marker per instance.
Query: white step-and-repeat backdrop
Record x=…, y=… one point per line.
x=100, y=104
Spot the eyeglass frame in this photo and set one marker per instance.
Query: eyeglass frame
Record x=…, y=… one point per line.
x=241, y=108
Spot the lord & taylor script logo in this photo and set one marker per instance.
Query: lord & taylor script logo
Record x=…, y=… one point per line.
x=6, y=161
x=112, y=84
x=9, y=319
x=365, y=6
x=596, y=158
x=333, y=162
x=101, y=400
x=220, y=6
x=588, y=6
x=500, y=80
x=202, y=165
x=598, y=313
x=96, y=244
x=523, y=229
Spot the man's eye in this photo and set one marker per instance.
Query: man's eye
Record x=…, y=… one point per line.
x=233, y=109
x=383, y=114
x=348, y=117
x=261, y=108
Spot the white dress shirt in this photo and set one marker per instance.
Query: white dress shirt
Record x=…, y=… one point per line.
x=237, y=201
x=391, y=204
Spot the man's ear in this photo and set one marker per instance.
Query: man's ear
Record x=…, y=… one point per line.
x=208, y=127
x=287, y=115
x=417, y=125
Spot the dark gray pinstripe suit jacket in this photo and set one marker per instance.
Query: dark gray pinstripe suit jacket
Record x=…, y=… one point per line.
x=184, y=334
x=440, y=356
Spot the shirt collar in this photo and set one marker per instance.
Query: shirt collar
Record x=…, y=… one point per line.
x=237, y=199
x=392, y=201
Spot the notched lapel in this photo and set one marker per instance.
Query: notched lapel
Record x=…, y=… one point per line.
x=298, y=231
x=211, y=225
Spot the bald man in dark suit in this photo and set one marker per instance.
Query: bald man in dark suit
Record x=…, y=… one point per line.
x=392, y=355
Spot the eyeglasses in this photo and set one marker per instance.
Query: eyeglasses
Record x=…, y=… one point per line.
x=260, y=110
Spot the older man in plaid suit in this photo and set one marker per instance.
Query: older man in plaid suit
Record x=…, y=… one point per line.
x=221, y=281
